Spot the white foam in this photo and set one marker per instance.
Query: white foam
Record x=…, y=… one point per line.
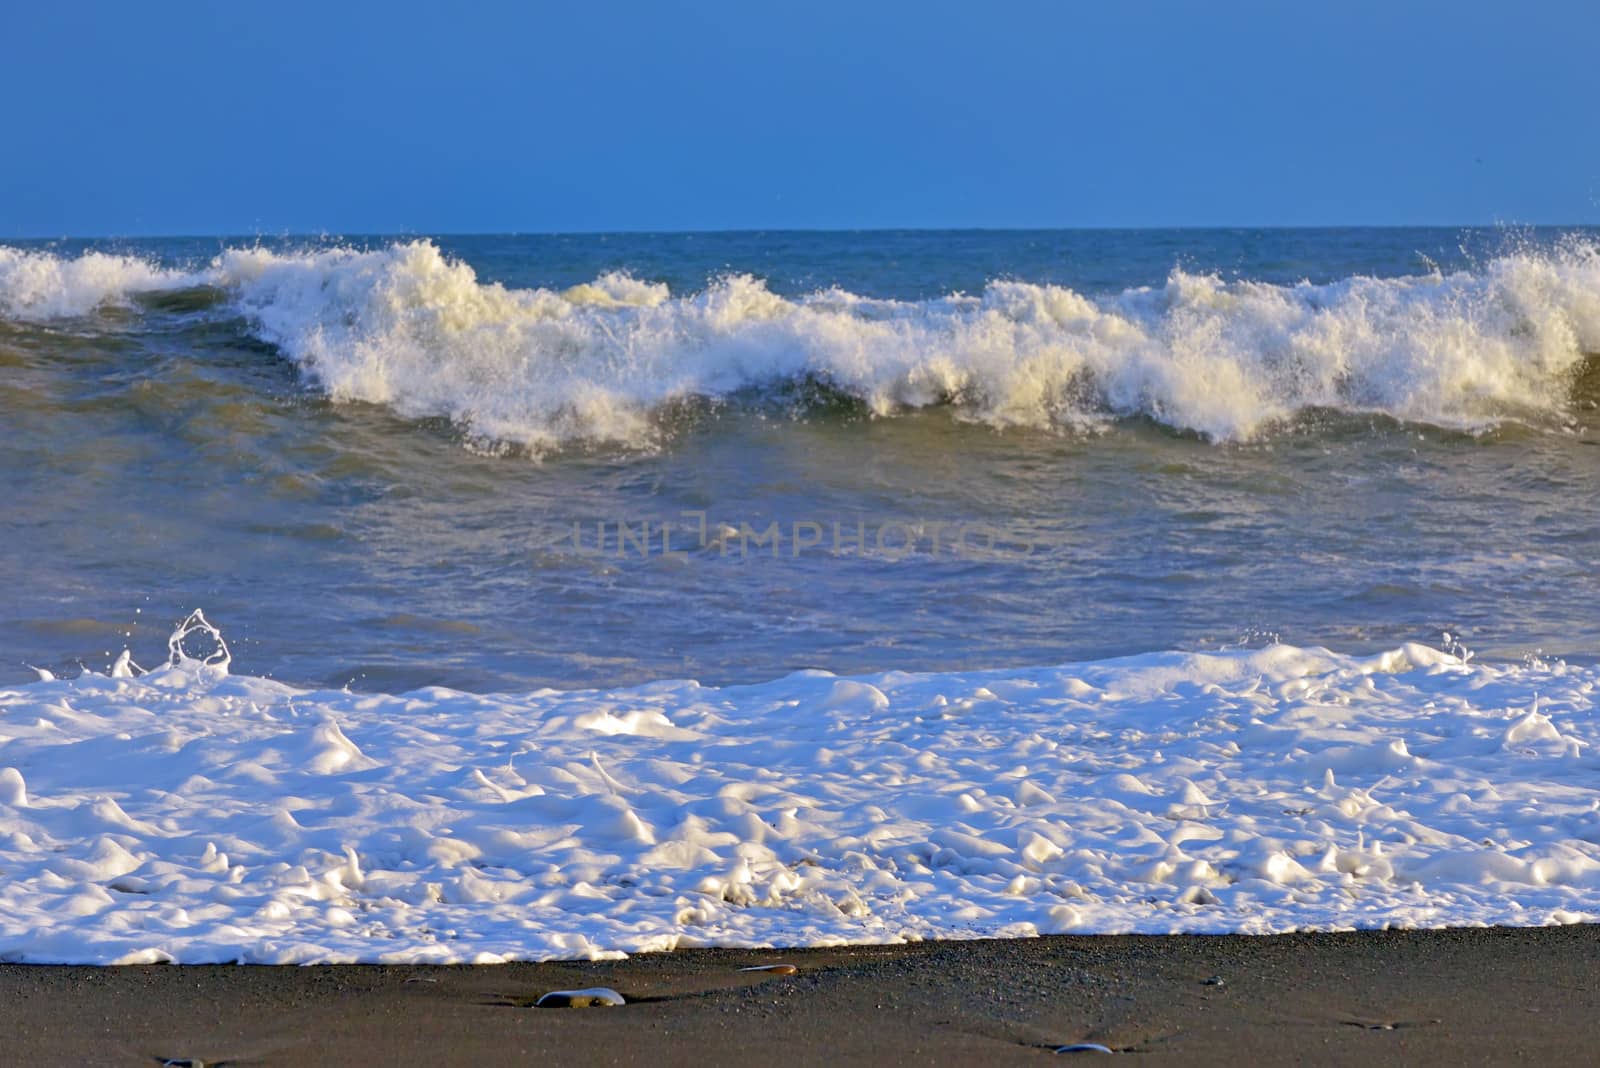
x=39, y=286
x=407, y=327
x=193, y=815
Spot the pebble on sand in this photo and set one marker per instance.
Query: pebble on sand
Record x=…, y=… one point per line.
x=1085, y=1047
x=588, y=998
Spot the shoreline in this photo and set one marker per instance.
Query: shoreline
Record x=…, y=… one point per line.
x=1422, y=996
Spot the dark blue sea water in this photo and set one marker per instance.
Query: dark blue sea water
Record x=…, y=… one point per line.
x=513, y=461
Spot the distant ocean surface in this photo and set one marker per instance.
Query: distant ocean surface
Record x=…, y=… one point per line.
x=392, y=462
x=578, y=596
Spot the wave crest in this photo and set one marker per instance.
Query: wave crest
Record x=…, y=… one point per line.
x=407, y=327
x=38, y=286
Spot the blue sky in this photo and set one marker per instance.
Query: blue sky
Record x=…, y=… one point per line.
x=126, y=119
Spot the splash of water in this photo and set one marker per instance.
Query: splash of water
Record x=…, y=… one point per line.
x=407, y=327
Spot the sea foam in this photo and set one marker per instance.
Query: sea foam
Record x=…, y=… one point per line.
x=190, y=814
x=40, y=286
x=406, y=326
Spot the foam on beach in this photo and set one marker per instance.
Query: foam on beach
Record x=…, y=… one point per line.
x=195, y=815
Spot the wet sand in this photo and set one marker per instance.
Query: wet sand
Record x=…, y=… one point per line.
x=1421, y=997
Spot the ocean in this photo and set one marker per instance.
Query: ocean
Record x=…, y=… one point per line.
x=1027, y=581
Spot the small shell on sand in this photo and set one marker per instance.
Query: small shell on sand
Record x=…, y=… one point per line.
x=1085, y=1047
x=775, y=969
x=591, y=997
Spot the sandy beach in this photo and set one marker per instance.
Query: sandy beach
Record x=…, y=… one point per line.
x=1486, y=995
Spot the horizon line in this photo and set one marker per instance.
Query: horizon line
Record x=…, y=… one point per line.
x=325, y=232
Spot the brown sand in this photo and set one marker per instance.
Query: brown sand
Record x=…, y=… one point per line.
x=1429, y=997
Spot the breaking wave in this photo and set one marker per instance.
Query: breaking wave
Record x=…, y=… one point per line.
x=407, y=327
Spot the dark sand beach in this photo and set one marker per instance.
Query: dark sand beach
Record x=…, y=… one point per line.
x=1487, y=995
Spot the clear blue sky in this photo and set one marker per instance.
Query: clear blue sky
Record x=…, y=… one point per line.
x=159, y=118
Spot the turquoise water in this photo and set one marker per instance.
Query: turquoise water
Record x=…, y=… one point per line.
x=391, y=462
